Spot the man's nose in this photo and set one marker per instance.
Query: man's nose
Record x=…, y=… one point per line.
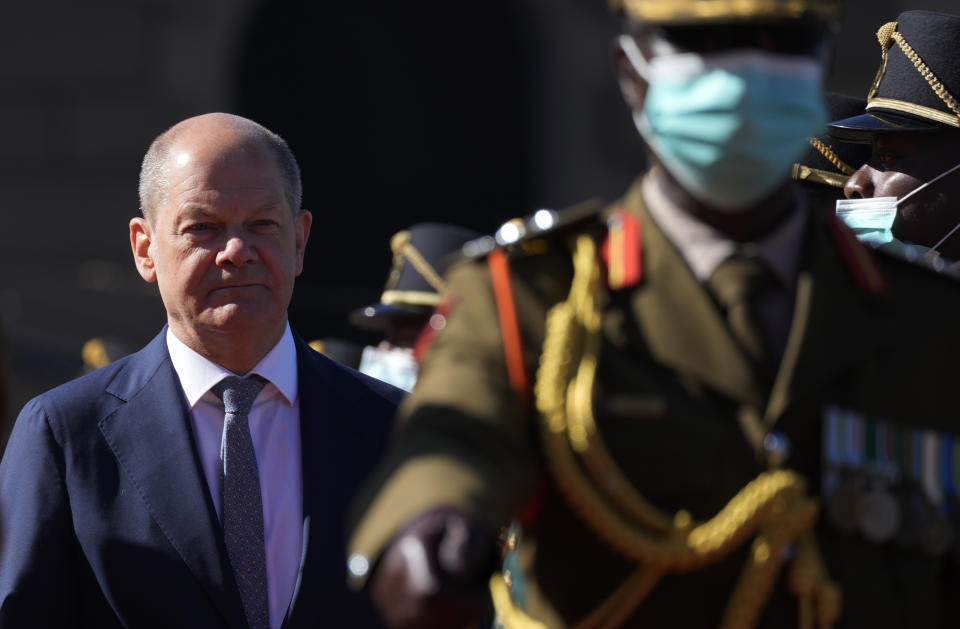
x=860, y=184
x=237, y=251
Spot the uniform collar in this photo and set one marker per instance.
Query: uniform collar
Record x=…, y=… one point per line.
x=197, y=374
x=703, y=248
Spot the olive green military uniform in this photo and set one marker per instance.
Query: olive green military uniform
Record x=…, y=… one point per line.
x=675, y=402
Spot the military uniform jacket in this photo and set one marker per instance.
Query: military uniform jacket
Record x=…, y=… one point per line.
x=669, y=396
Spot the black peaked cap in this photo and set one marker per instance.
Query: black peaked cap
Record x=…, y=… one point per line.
x=902, y=98
x=408, y=292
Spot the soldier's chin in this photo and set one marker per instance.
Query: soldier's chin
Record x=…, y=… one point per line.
x=925, y=223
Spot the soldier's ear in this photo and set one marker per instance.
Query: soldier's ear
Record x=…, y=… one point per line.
x=140, y=241
x=632, y=86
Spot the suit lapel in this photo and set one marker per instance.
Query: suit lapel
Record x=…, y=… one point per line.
x=681, y=325
x=324, y=437
x=152, y=439
x=344, y=431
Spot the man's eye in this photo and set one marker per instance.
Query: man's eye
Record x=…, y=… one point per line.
x=265, y=224
x=197, y=227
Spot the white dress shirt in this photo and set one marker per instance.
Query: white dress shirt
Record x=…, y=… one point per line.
x=275, y=430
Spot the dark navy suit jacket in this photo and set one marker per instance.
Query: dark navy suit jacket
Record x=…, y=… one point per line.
x=106, y=520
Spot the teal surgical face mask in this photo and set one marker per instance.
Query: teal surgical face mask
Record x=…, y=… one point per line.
x=870, y=219
x=729, y=126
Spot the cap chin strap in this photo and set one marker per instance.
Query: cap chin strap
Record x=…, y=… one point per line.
x=827, y=151
x=802, y=172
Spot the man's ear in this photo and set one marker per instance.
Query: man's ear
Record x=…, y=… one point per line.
x=304, y=221
x=140, y=239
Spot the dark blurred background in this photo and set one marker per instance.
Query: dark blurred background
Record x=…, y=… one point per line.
x=398, y=112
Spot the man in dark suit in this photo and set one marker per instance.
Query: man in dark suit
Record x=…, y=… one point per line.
x=165, y=490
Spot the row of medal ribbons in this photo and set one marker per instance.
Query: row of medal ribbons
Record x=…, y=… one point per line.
x=891, y=483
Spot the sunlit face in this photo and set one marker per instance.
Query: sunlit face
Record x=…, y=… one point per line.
x=224, y=247
x=900, y=164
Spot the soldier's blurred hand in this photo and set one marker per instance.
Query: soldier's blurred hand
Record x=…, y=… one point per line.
x=435, y=573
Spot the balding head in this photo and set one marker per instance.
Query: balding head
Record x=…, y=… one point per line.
x=213, y=135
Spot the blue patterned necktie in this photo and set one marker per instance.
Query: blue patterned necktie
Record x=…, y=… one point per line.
x=242, y=507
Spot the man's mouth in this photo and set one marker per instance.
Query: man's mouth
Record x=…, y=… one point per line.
x=235, y=286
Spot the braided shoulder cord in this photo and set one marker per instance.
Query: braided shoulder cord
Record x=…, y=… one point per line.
x=773, y=507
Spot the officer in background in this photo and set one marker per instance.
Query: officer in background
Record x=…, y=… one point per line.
x=828, y=163
x=414, y=288
x=702, y=405
x=98, y=352
x=912, y=122
x=412, y=292
x=344, y=351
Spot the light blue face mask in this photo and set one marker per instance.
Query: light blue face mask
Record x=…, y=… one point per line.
x=729, y=126
x=870, y=219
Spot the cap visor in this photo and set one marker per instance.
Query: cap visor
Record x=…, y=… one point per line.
x=862, y=128
x=374, y=317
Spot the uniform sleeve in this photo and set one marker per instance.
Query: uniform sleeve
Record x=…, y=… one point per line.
x=465, y=440
x=37, y=544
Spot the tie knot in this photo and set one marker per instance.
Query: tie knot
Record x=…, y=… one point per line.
x=238, y=393
x=740, y=280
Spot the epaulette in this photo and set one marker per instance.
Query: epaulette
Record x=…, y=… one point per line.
x=527, y=234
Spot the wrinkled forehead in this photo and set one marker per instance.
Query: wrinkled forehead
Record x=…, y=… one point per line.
x=238, y=176
x=219, y=149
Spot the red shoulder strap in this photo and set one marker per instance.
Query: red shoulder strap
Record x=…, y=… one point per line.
x=509, y=324
x=435, y=324
x=622, y=250
x=859, y=260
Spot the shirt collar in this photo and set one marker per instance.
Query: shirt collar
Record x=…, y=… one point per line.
x=704, y=248
x=198, y=374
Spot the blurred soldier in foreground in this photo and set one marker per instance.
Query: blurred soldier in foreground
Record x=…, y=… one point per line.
x=703, y=405
x=912, y=120
x=414, y=288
